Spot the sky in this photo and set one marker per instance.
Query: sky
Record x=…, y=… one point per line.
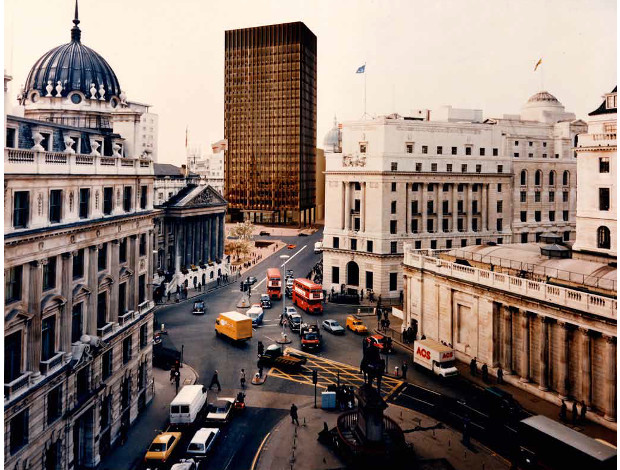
x=419, y=54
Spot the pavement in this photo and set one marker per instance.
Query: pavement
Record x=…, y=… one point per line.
x=293, y=447
x=151, y=421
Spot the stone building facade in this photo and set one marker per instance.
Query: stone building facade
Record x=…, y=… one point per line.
x=78, y=265
x=550, y=324
x=443, y=184
x=597, y=165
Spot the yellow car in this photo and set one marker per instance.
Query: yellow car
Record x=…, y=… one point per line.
x=355, y=324
x=162, y=447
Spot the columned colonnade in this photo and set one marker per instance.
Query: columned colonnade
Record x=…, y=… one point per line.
x=195, y=240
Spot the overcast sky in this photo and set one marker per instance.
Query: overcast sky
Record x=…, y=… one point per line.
x=419, y=54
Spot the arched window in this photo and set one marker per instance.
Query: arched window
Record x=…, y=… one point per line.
x=566, y=178
x=537, y=177
x=353, y=274
x=523, y=177
x=603, y=237
x=576, y=140
x=552, y=178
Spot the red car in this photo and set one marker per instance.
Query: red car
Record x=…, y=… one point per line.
x=291, y=246
x=380, y=342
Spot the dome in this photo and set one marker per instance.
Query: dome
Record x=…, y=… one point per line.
x=76, y=66
x=543, y=96
x=331, y=142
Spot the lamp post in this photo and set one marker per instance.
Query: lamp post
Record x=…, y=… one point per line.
x=285, y=258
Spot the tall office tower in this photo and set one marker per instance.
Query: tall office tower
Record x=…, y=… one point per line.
x=270, y=123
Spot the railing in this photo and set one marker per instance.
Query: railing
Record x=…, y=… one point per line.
x=105, y=330
x=20, y=155
x=126, y=318
x=347, y=423
x=84, y=160
x=145, y=306
x=19, y=383
x=127, y=162
x=47, y=366
x=561, y=296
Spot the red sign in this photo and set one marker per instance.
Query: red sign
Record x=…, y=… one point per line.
x=423, y=353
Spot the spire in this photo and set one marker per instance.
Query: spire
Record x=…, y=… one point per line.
x=76, y=34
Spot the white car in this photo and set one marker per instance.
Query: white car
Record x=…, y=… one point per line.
x=333, y=327
x=202, y=442
x=220, y=411
x=289, y=311
x=185, y=464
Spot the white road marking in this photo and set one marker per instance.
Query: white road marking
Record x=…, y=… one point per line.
x=298, y=251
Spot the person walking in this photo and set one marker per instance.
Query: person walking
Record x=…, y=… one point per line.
x=485, y=373
x=261, y=348
x=177, y=379
x=500, y=375
x=215, y=381
x=473, y=367
x=404, y=369
x=574, y=412
x=242, y=378
x=294, y=417
x=563, y=411
x=584, y=409
x=171, y=374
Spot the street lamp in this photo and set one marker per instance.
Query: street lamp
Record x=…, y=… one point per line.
x=285, y=258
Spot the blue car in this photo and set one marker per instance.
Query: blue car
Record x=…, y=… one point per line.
x=255, y=312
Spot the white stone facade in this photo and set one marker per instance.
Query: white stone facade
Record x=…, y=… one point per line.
x=597, y=166
x=441, y=185
x=210, y=167
x=147, y=131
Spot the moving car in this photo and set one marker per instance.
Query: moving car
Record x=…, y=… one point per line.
x=380, y=342
x=291, y=246
x=188, y=403
x=264, y=233
x=274, y=356
x=185, y=464
x=161, y=448
x=310, y=337
x=333, y=327
x=265, y=301
x=251, y=280
x=318, y=247
x=255, y=312
x=220, y=411
x=234, y=325
x=202, y=442
x=294, y=322
x=289, y=310
x=356, y=325
x=199, y=307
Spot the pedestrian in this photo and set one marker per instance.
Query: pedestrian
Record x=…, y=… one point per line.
x=485, y=373
x=260, y=371
x=385, y=315
x=563, y=411
x=261, y=348
x=473, y=367
x=168, y=296
x=171, y=374
x=294, y=417
x=500, y=375
x=574, y=412
x=242, y=378
x=177, y=379
x=387, y=323
x=584, y=409
x=124, y=430
x=423, y=337
x=404, y=369
x=215, y=381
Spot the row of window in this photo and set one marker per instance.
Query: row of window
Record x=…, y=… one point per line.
x=538, y=176
x=354, y=278
x=439, y=149
x=538, y=196
x=21, y=204
x=13, y=278
x=538, y=218
x=445, y=206
x=449, y=166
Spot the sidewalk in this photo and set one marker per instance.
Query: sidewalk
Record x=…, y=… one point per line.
x=595, y=427
x=300, y=450
x=152, y=420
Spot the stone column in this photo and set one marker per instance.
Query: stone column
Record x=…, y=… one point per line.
x=148, y=288
x=439, y=201
x=35, y=292
x=363, y=208
x=186, y=241
x=468, y=206
x=454, y=208
x=216, y=236
x=424, y=189
x=209, y=239
x=563, y=381
x=66, y=290
x=114, y=272
x=343, y=205
x=93, y=284
x=525, y=347
x=543, y=380
x=347, y=205
x=221, y=237
x=407, y=218
x=586, y=367
x=177, y=247
x=610, y=378
x=485, y=207
x=213, y=238
x=132, y=285
x=205, y=241
x=506, y=314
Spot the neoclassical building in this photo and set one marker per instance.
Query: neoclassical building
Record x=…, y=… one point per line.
x=549, y=321
x=452, y=182
x=597, y=165
x=78, y=264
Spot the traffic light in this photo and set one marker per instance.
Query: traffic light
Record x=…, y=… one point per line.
x=315, y=377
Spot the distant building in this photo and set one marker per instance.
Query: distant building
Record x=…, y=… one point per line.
x=209, y=167
x=148, y=131
x=320, y=185
x=443, y=184
x=270, y=123
x=597, y=166
x=78, y=264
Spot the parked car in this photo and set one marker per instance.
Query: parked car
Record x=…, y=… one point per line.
x=202, y=442
x=161, y=448
x=220, y=411
x=251, y=280
x=264, y=233
x=333, y=327
x=265, y=301
x=255, y=312
x=302, y=234
x=199, y=307
x=185, y=464
x=356, y=325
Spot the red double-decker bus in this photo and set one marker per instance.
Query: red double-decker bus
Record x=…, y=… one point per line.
x=274, y=283
x=307, y=295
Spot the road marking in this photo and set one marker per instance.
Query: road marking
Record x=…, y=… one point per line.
x=260, y=448
x=298, y=251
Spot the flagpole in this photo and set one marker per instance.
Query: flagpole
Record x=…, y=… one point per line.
x=364, y=116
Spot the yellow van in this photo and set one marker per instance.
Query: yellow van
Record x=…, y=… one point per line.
x=355, y=324
x=234, y=325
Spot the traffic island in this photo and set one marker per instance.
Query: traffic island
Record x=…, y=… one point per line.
x=284, y=339
x=244, y=302
x=258, y=380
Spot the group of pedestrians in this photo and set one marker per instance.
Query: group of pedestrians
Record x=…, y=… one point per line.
x=577, y=416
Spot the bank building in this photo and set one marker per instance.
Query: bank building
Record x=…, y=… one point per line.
x=78, y=246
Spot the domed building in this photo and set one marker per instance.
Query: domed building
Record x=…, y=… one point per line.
x=544, y=107
x=332, y=143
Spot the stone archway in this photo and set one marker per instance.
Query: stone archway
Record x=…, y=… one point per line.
x=353, y=274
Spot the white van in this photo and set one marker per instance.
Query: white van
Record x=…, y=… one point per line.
x=202, y=442
x=187, y=404
x=434, y=356
x=318, y=247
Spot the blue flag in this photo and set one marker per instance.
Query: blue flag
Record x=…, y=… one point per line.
x=362, y=69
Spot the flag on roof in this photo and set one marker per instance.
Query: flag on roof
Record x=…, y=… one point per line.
x=537, y=64
x=361, y=69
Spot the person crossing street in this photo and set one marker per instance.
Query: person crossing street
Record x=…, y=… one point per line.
x=242, y=378
x=215, y=381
